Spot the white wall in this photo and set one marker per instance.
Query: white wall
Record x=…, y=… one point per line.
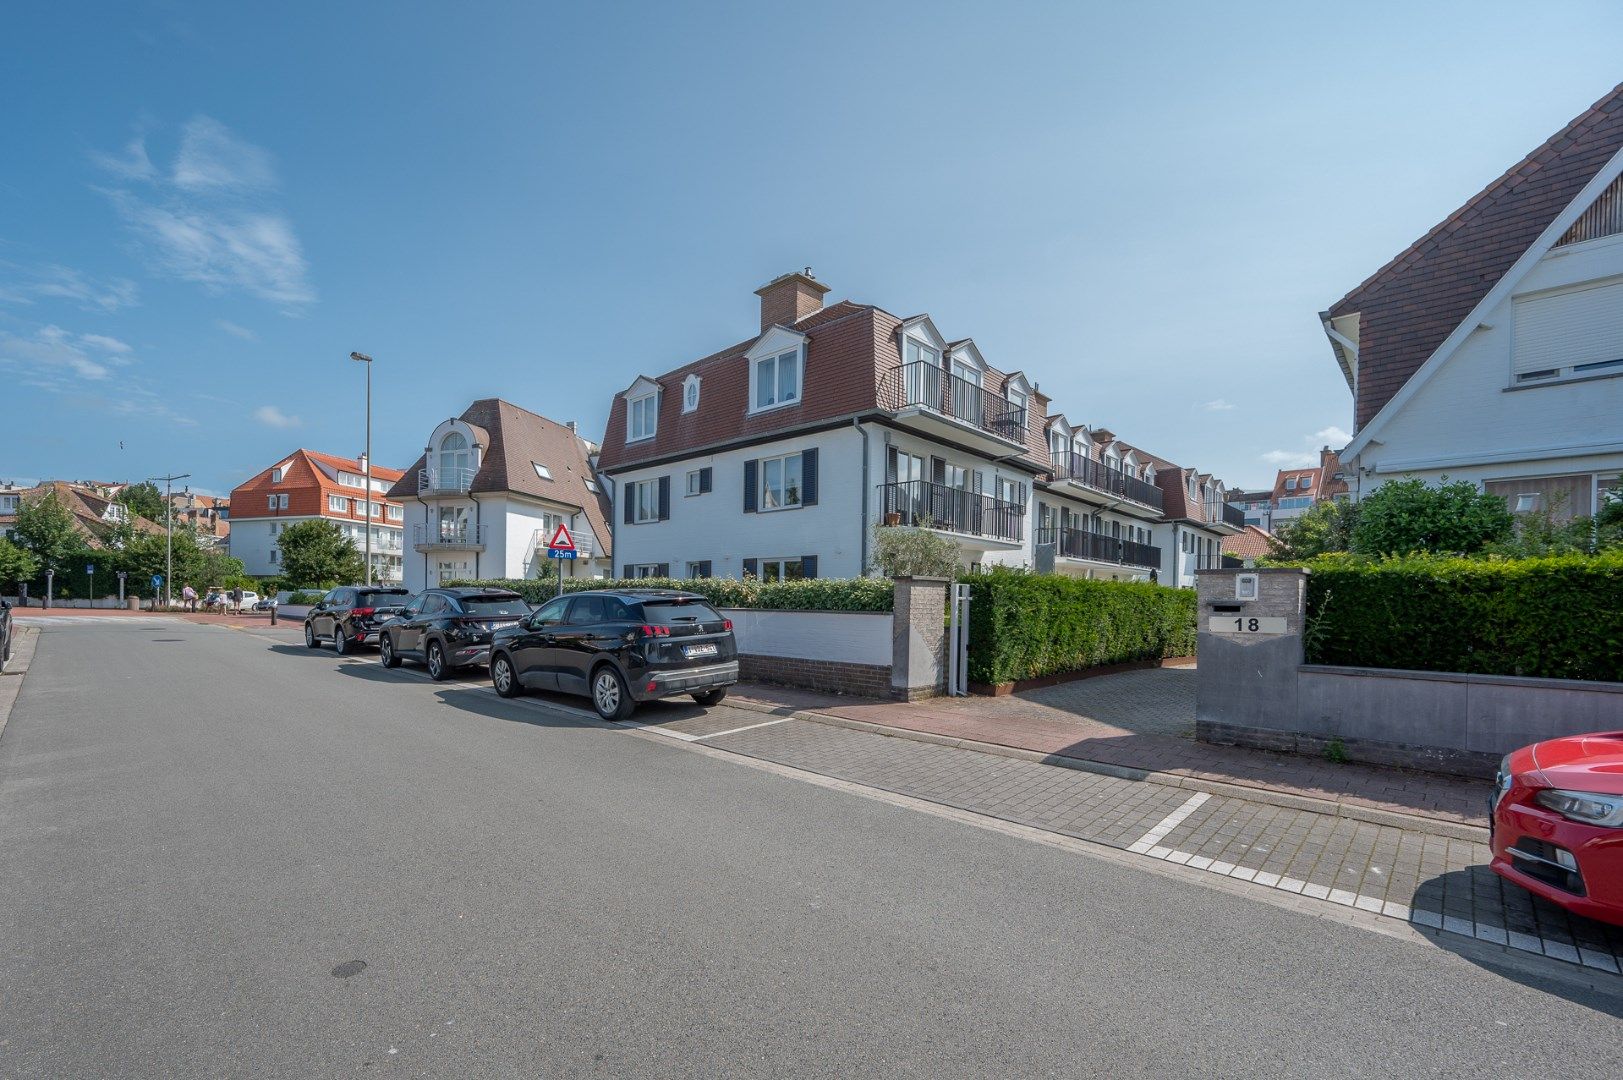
x=1467, y=423
x=715, y=527
x=845, y=637
x=253, y=539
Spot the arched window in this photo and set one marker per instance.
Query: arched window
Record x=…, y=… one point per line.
x=455, y=457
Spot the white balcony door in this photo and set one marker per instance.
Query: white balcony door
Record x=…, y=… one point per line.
x=455, y=457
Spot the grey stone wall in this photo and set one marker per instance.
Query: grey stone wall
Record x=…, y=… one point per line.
x=918, y=667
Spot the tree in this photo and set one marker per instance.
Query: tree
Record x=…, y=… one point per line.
x=17, y=565
x=317, y=554
x=920, y=552
x=1327, y=527
x=143, y=500
x=1406, y=516
x=47, y=529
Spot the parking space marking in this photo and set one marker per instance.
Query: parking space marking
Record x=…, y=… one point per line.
x=736, y=730
x=1168, y=823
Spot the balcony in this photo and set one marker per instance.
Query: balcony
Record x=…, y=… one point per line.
x=448, y=537
x=948, y=509
x=944, y=405
x=1097, y=547
x=1233, y=515
x=1097, y=476
x=444, y=481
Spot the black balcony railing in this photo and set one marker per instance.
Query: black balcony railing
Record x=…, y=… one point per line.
x=923, y=385
x=937, y=506
x=1233, y=515
x=1090, y=472
x=1084, y=544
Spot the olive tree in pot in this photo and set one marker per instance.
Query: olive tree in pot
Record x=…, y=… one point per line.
x=913, y=552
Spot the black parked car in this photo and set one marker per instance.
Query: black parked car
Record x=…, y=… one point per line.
x=351, y=615
x=449, y=628
x=619, y=647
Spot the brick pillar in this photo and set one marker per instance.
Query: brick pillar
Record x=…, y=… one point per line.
x=918, y=666
x=1245, y=687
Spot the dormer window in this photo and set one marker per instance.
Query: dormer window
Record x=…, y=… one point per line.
x=642, y=417
x=276, y=475
x=690, y=393
x=776, y=380
x=541, y=470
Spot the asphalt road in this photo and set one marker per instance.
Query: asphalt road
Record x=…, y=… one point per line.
x=224, y=855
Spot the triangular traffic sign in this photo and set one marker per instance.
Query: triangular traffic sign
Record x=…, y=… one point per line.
x=561, y=540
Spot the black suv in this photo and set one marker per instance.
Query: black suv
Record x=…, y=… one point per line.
x=449, y=628
x=619, y=647
x=351, y=615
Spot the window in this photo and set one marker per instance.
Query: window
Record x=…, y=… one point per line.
x=642, y=417
x=699, y=482
x=777, y=380
x=541, y=470
x=455, y=458
x=397, y=513
x=1290, y=483
x=914, y=351
x=792, y=568
x=780, y=482
x=1528, y=503
x=591, y=485
x=337, y=504
x=699, y=569
x=690, y=393
x=273, y=555
x=1017, y=397
x=553, y=612
x=276, y=475
x=643, y=505
x=648, y=570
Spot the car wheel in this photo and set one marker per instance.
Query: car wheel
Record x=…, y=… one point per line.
x=610, y=697
x=436, y=661
x=504, y=678
x=309, y=636
x=340, y=643
x=711, y=697
x=386, y=653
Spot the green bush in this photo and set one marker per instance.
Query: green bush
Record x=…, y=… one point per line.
x=819, y=594
x=1557, y=617
x=1024, y=625
x=305, y=598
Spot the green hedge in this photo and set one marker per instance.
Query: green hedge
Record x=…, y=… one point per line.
x=1024, y=626
x=1557, y=617
x=820, y=594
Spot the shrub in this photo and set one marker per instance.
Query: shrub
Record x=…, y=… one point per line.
x=1556, y=617
x=905, y=552
x=818, y=594
x=1404, y=516
x=305, y=598
x=1024, y=625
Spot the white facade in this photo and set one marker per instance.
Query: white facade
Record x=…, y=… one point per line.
x=1525, y=398
x=254, y=541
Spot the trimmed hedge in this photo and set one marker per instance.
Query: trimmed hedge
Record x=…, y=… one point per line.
x=1558, y=617
x=1025, y=626
x=819, y=594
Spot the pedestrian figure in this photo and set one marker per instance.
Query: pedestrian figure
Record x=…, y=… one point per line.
x=236, y=600
x=188, y=597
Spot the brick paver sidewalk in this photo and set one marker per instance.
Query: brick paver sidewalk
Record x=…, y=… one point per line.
x=1142, y=720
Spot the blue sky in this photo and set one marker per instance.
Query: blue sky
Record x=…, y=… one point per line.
x=204, y=208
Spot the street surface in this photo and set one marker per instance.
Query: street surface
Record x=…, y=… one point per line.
x=222, y=854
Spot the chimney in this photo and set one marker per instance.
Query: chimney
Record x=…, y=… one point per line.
x=788, y=298
x=571, y=426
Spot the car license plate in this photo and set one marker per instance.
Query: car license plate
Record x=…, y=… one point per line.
x=691, y=651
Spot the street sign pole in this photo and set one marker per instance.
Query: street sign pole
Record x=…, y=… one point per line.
x=559, y=548
x=90, y=576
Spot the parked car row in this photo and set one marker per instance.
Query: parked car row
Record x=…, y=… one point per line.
x=618, y=647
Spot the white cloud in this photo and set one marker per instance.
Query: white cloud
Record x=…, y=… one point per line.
x=1217, y=405
x=1333, y=437
x=206, y=221
x=212, y=158
x=1289, y=459
x=45, y=360
x=235, y=330
x=130, y=164
x=1308, y=456
x=64, y=283
x=104, y=343
x=271, y=416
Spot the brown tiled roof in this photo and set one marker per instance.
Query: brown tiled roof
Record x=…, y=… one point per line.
x=514, y=439
x=1253, y=543
x=1408, y=307
x=87, y=505
x=306, y=484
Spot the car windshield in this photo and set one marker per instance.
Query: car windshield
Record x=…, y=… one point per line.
x=678, y=612
x=383, y=598
x=495, y=605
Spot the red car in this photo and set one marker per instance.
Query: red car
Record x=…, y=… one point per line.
x=1558, y=823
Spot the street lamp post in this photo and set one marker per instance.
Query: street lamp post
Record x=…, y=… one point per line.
x=367, y=360
x=169, y=536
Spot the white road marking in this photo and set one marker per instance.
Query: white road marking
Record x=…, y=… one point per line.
x=1168, y=823
x=746, y=727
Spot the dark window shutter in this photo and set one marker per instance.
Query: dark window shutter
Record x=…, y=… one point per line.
x=749, y=486
x=664, y=498
x=750, y=565
x=704, y=481
x=628, y=491
x=808, y=477
x=938, y=471
x=704, y=568
x=808, y=566
x=890, y=464
x=662, y=570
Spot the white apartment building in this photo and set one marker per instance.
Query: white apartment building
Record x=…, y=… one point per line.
x=308, y=485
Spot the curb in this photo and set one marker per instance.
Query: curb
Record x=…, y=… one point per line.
x=24, y=640
x=1418, y=823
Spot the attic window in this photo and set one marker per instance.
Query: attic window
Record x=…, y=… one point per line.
x=591, y=485
x=690, y=393
x=276, y=475
x=642, y=417
x=541, y=470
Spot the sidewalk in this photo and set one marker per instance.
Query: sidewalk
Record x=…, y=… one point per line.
x=1140, y=721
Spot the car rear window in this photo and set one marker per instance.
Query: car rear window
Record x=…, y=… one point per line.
x=678, y=612
x=495, y=605
x=384, y=597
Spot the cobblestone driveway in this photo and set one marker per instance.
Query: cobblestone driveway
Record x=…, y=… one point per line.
x=1158, y=701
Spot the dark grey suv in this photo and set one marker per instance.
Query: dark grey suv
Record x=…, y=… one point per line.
x=619, y=647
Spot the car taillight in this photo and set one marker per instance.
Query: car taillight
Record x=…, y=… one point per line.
x=656, y=631
x=726, y=624
x=363, y=612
